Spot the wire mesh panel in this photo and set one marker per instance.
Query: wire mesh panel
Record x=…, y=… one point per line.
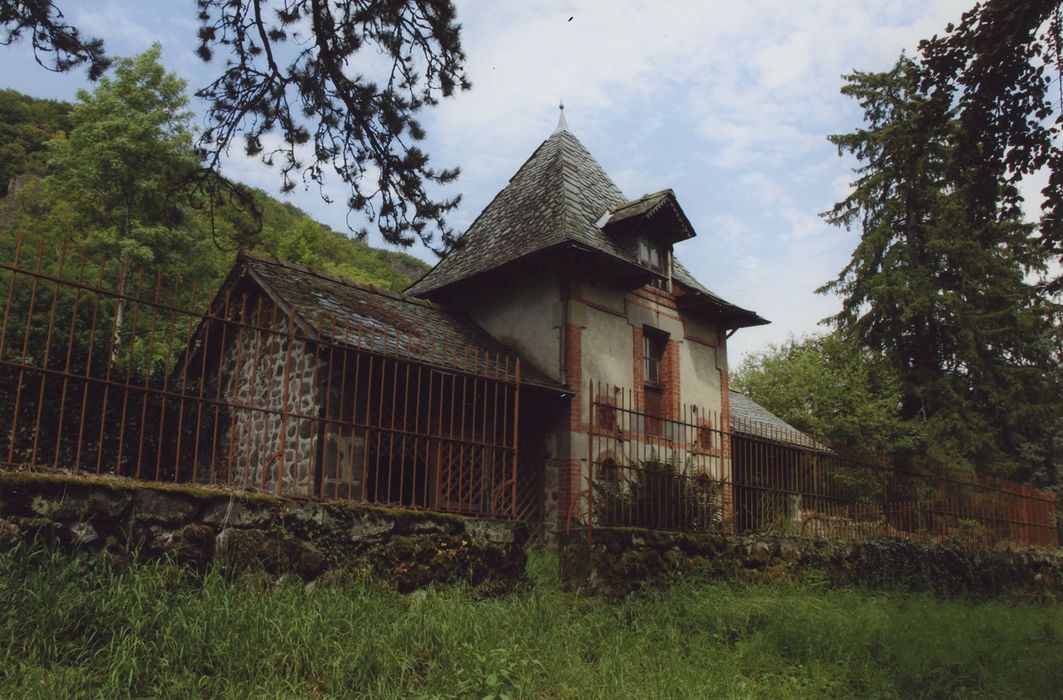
x=114, y=371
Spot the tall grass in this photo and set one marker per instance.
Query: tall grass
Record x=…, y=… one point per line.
x=77, y=628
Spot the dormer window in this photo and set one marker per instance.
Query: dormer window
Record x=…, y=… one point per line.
x=656, y=257
x=653, y=256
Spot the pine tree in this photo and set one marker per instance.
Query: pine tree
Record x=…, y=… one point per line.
x=296, y=87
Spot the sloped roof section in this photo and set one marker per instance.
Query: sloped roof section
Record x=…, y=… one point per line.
x=379, y=321
x=750, y=418
x=557, y=196
x=740, y=318
x=560, y=196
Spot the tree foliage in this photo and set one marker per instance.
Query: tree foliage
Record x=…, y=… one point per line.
x=289, y=89
x=938, y=283
x=26, y=125
x=66, y=155
x=997, y=72
x=130, y=143
x=832, y=389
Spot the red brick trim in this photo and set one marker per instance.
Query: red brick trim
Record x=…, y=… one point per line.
x=657, y=296
x=574, y=369
x=670, y=380
x=656, y=309
x=637, y=376
x=569, y=485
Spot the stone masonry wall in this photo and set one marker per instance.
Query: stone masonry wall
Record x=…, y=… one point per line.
x=257, y=364
x=206, y=527
x=623, y=560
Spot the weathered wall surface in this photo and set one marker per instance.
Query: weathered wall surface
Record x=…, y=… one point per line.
x=623, y=560
x=271, y=449
x=408, y=549
x=522, y=317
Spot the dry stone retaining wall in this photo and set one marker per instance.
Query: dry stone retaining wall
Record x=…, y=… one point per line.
x=203, y=527
x=619, y=561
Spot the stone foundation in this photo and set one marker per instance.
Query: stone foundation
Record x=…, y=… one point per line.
x=206, y=527
x=623, y=560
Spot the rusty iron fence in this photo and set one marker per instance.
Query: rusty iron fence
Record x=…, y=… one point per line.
x=688, y=472
x=110, y=370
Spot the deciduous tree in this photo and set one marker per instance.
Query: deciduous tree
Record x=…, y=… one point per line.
x=297, y=88
x=832, y=389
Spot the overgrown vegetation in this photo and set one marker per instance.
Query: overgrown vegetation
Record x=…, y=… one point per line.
x=345, y=103
x=78, y=628
x=659, y=495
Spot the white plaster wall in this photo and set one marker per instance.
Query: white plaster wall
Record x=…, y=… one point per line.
x=701, y=330
x=699, y=376
x=608, y=347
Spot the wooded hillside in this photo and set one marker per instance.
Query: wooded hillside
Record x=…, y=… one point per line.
x=46, y=194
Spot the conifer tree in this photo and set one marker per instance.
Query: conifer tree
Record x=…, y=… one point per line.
x=939, y=281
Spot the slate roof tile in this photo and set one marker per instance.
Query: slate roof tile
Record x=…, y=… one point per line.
x=385, y=322
x=750, y=418
x=557, y=196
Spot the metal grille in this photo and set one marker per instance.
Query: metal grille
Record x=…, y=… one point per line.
x=687, y=472
x=113, y=371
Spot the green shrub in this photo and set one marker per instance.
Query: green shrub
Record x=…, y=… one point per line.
x=658, y=495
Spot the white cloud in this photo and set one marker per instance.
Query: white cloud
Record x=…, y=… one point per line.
x=726, y=102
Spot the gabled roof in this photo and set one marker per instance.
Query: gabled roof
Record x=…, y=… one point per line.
x=385, y=322
x=646, y=207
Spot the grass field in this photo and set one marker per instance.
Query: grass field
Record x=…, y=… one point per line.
x=75, y=628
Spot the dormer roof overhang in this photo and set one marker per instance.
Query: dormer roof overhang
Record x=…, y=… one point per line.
x=657, y=214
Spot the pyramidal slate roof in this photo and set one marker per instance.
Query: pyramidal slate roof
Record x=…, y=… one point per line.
x=557, y=196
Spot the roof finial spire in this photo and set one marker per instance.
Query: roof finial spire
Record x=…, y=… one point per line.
x=562, y=125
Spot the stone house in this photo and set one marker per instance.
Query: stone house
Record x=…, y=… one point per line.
x=561, y=272
x=586, y=284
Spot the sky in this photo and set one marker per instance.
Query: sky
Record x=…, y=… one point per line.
x=727, y=103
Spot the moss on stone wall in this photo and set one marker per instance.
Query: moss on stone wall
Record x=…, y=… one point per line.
x=619, y=561
x=200, y=526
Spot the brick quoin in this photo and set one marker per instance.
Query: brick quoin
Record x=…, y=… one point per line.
x=570, y=471
x=636, y=334
x=569, y=485
x=670, y=380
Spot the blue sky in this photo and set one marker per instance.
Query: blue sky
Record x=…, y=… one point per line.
x=728, y=103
